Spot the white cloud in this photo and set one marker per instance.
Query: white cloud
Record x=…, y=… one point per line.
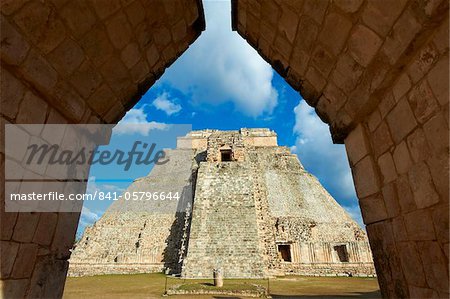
x=324, y=159
x=135, y=122
x=88, y=216
x=222, y=67
x=163, y=103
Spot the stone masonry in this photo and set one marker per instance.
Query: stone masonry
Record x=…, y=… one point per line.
x=375, y=71
x=252, y=205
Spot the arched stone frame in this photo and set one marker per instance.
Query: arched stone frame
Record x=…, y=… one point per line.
x=84, y=61
x=397, y=146
x=377, y=73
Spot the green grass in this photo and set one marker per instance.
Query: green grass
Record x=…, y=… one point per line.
x=152, y=286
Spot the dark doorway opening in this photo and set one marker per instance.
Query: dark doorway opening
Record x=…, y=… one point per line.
x=342, y=253
x=285, y=252
x=225, y=155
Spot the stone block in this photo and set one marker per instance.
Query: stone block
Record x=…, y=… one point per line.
x=419, y=225
x=387, y=103
x=402, y=158
x=391, y=201
x=299, y=61
x=373, y=209
x=152, y=55
x=422, y=186
x=130, y=55
x=401, y=87
x=33, y=110
x=8, y=221
x=67, y=57
x=365, y=177
x=315, y=9
x=39, y=21
x=86, y=79
x=380, y=19
x=439, y=168
x=411, y=264
x=441, y=222
x=14, y=288
x=68, y=101
x=26, y=256
x=136, y=13
x=435, y=265
x=438, y=80
x=14, y=47
x=436, y=133
x=119, y=30
x=398, y=226
x=349, y=6
x=288, y=23
x=9, y=252
x=347, y=73
x=39, y=71
x=322, y=60
x=401, y=120
x=403, y=32
x=140, y=71
x=387, y=167
x=374, y=120
x=65, y=234
x=334, y=32
x=162, y=37
x=315, y=78
x=363, y=45
x=422, y=62
x=335, y=95
x=381, y=139
x=309, y=30
x=417, y=292
x=405, y=195
x=179, y=31
x=105, y=8
x=45, y=229
x=79, y=17
x=418, y=145
x=422, y=101
x=25, y=227
x=12, y=91
x=97, y=46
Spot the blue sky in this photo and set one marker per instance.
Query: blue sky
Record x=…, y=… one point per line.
x=221, y=82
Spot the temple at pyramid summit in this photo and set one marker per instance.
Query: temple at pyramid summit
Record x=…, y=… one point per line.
x=238, y=202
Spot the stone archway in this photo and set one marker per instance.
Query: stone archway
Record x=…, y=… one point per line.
x=377, y=75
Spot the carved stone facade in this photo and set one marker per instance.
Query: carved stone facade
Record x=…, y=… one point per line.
x=256, y=213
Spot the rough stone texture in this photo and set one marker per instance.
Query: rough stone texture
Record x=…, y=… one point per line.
x=139, y=237
x=75, y=62
x=414, y=36
x=242, y=211
x=379, y=78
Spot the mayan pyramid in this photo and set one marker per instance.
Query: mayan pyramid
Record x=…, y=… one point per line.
x=246, y=206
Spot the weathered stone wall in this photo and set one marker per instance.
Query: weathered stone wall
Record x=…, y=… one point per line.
x=141, y=236
x=245, y=208
x=75, y=62
x=377, y=72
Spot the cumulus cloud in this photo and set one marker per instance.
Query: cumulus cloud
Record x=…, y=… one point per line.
x=163, y=103
x=324, y=159
x=221, y=67
x=135, y=122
